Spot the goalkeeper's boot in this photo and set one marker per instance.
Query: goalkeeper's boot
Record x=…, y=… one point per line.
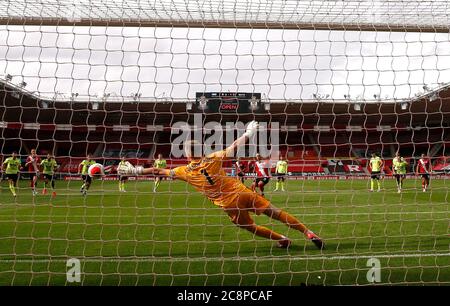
x=315, y=239
x=284, y=243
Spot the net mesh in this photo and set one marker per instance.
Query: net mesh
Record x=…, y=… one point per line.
x=334, y=80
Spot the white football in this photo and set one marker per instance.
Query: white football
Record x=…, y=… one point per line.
x=96, y=170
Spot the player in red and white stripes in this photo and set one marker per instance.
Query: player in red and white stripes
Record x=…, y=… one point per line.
x=240, y=170
x=32, y=165
x=262, y=169
x=424, y=169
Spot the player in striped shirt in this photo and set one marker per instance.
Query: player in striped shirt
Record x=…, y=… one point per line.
x=262, y=174
x=240, y=169
x=159, y=163
x=424, y=169
x=32, y=165
x=375, y=165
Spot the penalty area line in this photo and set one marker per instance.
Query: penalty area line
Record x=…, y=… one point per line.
x=68, y=216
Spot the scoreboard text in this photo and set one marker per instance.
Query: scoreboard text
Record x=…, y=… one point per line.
x=228, y=102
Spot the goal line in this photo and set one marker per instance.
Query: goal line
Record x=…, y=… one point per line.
x=236, y=258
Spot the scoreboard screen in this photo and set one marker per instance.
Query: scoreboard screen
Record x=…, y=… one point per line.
x=228, y=102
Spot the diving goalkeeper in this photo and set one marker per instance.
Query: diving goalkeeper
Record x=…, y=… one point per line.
x=207, y=176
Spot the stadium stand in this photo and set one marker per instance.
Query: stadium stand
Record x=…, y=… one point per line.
x=312, y=146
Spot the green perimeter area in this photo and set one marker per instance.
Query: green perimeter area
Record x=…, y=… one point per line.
x=177, y=237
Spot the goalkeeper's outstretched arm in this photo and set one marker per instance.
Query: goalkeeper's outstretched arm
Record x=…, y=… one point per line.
x=140, y=170
x=252, y=128
x=156, y=171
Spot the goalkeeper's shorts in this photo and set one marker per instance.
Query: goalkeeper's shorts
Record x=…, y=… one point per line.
x=239, y=212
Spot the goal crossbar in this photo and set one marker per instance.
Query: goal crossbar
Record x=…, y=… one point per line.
x=223, y=24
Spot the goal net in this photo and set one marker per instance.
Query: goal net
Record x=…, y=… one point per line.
x=330, y=83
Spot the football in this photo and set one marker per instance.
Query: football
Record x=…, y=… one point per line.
x=96, y=170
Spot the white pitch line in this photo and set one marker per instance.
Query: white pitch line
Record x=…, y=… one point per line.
x=219, y=215
x=136, y=193
x=247, y=258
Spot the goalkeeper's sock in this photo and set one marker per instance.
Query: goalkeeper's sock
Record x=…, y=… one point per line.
x=12, y=188
x=290, y=221
x=262, y=231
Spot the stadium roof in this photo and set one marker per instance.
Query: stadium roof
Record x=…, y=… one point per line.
x=383, y=15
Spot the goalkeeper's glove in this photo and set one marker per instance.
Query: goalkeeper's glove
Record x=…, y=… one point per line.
x=252, y=127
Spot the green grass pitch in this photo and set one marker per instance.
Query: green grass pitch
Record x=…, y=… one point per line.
x=177, y=237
